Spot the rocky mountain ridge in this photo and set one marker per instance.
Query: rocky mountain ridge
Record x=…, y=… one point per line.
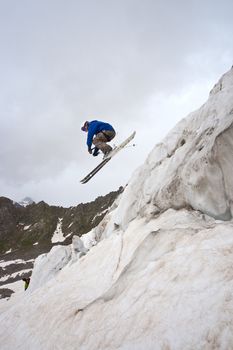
x=28, y=231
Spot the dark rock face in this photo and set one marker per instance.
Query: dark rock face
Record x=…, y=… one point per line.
x=26, y=232
x=5, y=293
x=9, y=217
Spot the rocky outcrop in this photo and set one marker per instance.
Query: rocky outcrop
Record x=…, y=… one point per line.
x=26, y=232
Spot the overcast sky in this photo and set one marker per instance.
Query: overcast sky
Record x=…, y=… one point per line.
x=139, y=64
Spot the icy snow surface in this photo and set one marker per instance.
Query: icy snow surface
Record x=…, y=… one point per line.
x=58, y=234
x=157, y=272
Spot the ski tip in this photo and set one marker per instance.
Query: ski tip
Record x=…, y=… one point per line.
x=133, y=135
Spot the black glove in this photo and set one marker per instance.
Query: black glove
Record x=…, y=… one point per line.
x=90, y=150
x=95, y=152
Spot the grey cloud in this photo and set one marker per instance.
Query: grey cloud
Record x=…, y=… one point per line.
x=63, y=62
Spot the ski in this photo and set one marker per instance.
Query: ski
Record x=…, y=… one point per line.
x=107, y=159
x=95, y=171
x=121, y=146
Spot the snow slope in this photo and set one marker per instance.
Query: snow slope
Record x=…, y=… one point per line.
x=161, y=275
x=195, y=158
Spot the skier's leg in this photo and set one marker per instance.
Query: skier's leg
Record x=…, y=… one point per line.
x=100, y=142
x=110, y=134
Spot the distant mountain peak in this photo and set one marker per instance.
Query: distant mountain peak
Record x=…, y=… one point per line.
x=26, y=201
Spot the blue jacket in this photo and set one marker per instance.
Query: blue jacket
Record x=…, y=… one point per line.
x=94, y=128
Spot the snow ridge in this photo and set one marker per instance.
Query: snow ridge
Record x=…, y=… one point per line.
x=194, y=158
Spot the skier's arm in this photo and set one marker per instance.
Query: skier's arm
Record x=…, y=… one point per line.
x=90, y=135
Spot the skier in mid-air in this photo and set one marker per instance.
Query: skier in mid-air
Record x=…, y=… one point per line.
x=103, y=133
